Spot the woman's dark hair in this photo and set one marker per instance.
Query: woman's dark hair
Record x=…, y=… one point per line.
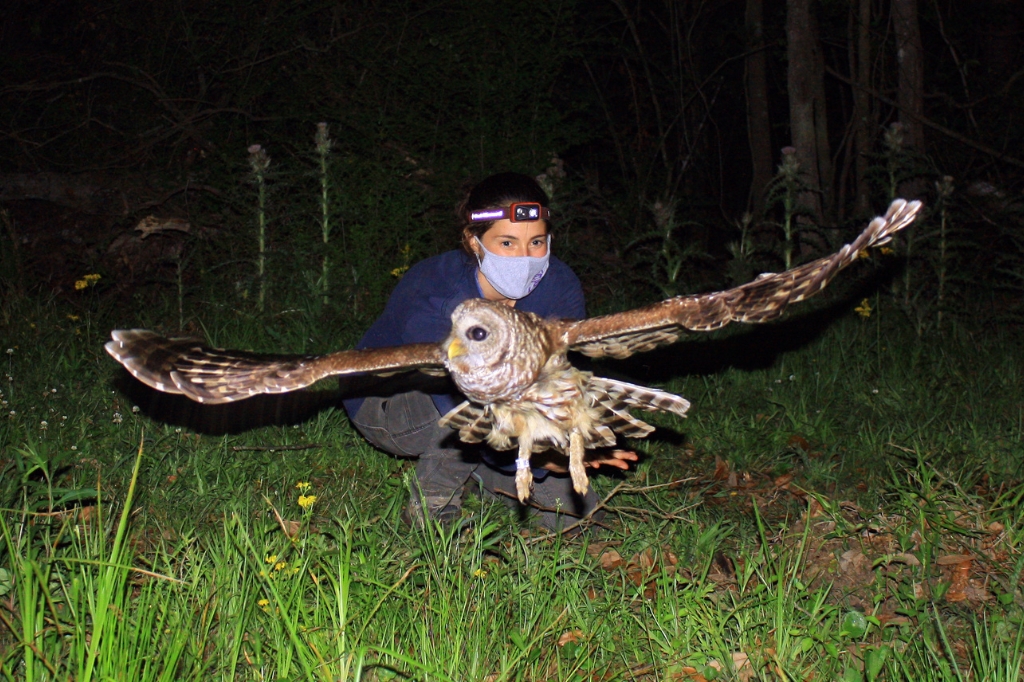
x=497, y=191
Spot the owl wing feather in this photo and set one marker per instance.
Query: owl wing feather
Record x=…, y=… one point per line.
x=213, y=376
x=470, y=420
x=622, y=334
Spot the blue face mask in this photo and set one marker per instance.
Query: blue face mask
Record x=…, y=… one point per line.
x=513, y=276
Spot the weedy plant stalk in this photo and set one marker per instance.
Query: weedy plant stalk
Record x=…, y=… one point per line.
x=259, y=161
x=323, y=149
x=893, y=140
x=785, y=189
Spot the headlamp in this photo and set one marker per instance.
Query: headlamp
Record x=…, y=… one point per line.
x=521, y=212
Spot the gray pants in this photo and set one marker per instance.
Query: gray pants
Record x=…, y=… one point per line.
x=405, y=425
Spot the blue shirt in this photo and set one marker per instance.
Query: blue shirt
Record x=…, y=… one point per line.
x=421, y=306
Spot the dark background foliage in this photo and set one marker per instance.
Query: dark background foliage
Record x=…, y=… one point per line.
x=638, y=114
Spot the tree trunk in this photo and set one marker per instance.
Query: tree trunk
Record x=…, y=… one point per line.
x=910, y=88
x=864, y=124
x=758, y=124
x=808, y=120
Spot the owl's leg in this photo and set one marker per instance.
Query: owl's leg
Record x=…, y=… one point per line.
x=524, y=474
x=576, y=468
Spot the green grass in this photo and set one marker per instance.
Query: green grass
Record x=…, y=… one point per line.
x=799, y=524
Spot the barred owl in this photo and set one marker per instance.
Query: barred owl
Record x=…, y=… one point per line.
x=522, y=392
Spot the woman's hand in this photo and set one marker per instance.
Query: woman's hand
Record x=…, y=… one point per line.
x=620, y=459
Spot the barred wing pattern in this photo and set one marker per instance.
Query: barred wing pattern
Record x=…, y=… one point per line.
x=213, y=376
x=622, y=334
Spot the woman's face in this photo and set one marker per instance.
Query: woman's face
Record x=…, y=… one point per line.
x=506, y=238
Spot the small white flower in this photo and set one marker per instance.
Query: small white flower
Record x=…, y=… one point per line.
x=74, y=447
x=117, y=417
x=778, y=381
x=874, y=390
x=135, y=409
x=10, y=351
x=177, y=430
x=792, y=377
x=13, y=413
x=43, y=425
x=64, y=417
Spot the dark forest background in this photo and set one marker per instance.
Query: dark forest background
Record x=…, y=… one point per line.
x=686, y=145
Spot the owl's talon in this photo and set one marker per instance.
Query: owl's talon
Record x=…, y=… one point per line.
x=524, y=474
x=524, y=481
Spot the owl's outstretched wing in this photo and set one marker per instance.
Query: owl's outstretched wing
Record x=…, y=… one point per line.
x=621, y=334
x=212, y=376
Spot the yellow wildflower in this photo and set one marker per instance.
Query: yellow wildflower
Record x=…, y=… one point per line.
x=864, y=309
x=887, y=250
x=280, y=565
x=270, y=558
x=86, y=282
x=303, y=485
x=73, y=318
x=406, y=253
x=479, y=573
x=264, y=604
x=306, y=501
x=863, y=254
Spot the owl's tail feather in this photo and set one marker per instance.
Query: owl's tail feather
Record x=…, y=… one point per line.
x=614, y=415
x=204, y=374
x=624, y=395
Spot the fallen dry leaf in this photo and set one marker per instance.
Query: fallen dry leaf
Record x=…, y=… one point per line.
x=740, y=663
x=611, y=560
x=570, y=636
x=722, y=469
x=852, y=560
x=798, y=441
x=960, y=566
x=783, y=481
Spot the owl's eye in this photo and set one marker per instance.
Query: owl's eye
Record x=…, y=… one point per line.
x=476, y=333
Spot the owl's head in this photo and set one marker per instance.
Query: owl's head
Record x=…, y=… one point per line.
x=494, y=352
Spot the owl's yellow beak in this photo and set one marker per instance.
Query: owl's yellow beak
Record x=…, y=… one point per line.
x=455, y=349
